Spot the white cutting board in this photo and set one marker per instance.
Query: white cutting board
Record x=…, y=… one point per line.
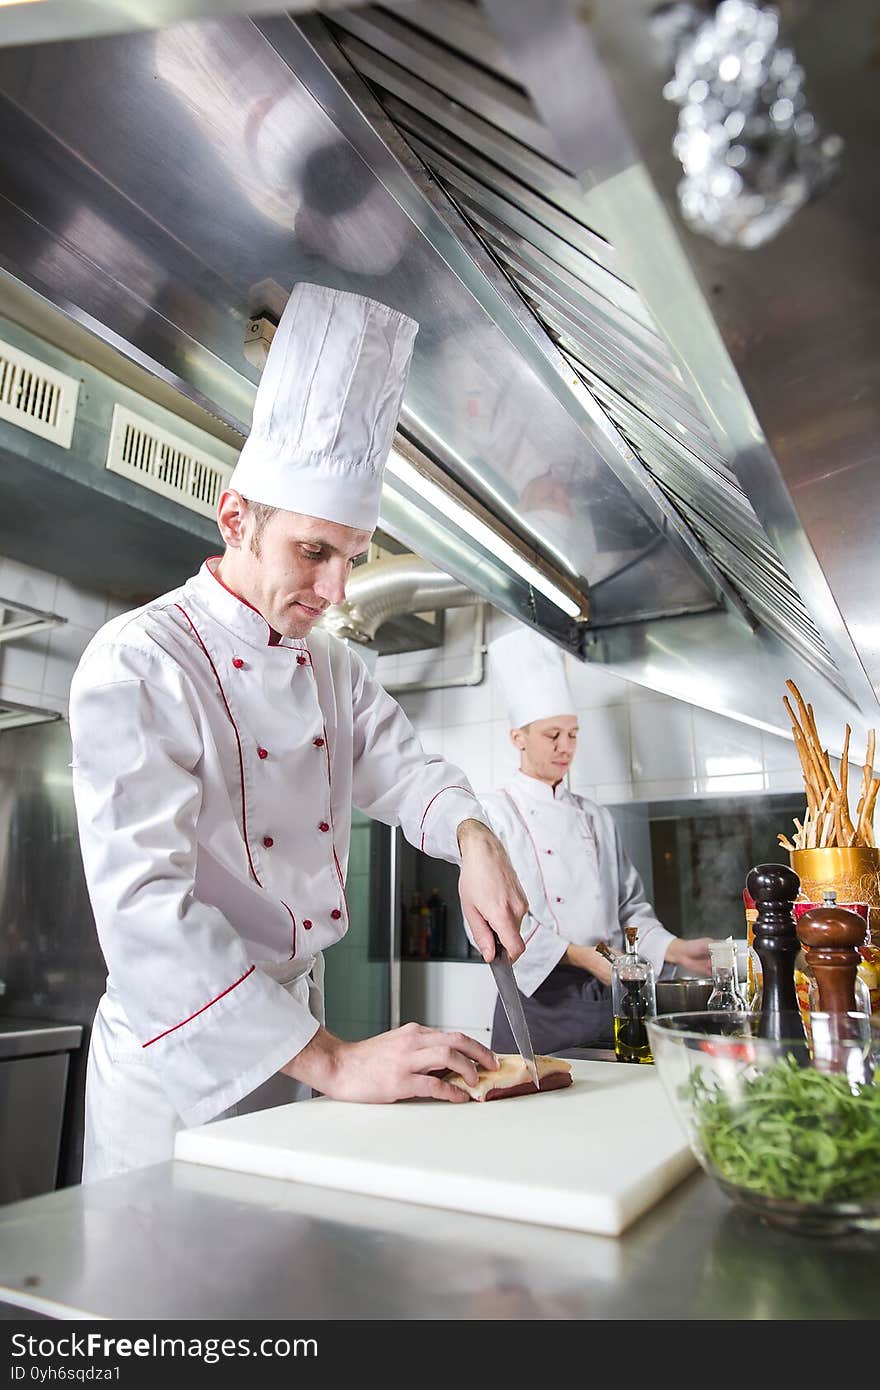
x=591, y=1157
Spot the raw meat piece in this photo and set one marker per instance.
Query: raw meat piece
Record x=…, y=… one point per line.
x=512, y=1078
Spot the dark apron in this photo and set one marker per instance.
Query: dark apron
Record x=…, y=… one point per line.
x=570, y=1009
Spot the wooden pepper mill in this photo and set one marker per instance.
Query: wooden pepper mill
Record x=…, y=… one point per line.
x=830, y=936
x=774, y=888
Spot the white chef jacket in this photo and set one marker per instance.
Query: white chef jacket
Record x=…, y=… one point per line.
x=214, y=771
x=581, y=885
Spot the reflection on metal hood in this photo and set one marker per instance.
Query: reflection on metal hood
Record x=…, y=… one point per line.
x=644, y=415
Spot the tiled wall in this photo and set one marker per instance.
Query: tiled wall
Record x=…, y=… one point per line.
x=37, y=670
x=635, y=745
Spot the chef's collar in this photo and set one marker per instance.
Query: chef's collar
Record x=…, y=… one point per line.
x=540, y=791
x=234, y=612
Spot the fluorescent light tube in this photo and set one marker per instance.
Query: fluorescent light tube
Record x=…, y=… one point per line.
x=441, y=501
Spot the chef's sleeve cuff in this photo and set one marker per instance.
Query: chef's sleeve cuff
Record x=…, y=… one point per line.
x=444, y=813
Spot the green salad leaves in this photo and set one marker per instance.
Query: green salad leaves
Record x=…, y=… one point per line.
x=792, y=1132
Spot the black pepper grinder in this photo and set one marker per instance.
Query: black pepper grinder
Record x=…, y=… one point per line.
x=774, y=888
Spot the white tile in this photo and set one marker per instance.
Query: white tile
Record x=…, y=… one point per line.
x=23, y=663
x=785, y=780
x=20, y=696
x=592, y=685
x=779, y=753
x=664, y=788
x=726, y=748
x=467, y=704
x=460, y=632
x=423, y=707
x=432, y=740
x=609, y=793
x=82, y=607
x=424, y=666
x=466, y=745
x=66, y=646
x=662, y=739
x=505, y=758
x=603, y=753
x=387, y=670
x=731, y=784
x=24, y=584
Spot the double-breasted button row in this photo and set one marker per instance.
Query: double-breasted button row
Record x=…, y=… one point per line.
x=335, y=914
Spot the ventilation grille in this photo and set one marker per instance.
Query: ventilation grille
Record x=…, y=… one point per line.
x=143, y=451
x=36, y=397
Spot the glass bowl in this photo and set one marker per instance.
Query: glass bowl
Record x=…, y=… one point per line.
x=787, y=1128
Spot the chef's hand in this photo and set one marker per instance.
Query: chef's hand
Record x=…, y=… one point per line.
x=491, y=895
x=692, y=954
x=398, y=1065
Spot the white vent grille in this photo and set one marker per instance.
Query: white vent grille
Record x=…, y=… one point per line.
x=152, y=456
x=35, y=397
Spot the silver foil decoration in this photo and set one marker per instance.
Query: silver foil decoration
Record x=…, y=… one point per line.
x=751, y=150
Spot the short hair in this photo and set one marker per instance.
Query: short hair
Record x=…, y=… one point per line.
x=262, y=514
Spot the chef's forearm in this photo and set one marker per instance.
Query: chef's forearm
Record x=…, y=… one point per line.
x=585, y=958
x=318, y=1064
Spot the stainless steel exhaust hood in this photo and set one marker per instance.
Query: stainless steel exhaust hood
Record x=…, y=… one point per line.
x=575, y=381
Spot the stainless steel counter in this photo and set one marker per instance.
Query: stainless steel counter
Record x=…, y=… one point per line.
x=25, y=1037
x=185, y=1242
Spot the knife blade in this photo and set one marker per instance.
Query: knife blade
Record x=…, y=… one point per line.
x=505, y=981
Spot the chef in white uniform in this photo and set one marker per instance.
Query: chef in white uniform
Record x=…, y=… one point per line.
x=219, y=744
x=582, y=888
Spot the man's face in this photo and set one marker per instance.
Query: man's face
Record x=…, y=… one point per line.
x=295, y=569
x=547, y=747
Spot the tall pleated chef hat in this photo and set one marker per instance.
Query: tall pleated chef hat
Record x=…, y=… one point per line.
x=327, y=407
x=529, y=671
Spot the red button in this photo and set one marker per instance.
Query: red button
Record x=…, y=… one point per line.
x=323, y=827
x=301, y=660
x=307, y=924
x=268, y=841
x=237, y=662
x=559, y=900
x=548, y=851
x=318, y=742
x=336, y=914
x=262, y=752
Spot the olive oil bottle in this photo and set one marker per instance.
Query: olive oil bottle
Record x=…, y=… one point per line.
x=633, y=1000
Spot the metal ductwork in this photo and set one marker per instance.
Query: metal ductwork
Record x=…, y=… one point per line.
x=385, y=589
x=683, y=431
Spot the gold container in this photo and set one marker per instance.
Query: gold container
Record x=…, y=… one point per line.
x=854, y=874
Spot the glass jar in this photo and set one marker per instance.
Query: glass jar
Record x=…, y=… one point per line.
x=725, y=984
x=633, y=1000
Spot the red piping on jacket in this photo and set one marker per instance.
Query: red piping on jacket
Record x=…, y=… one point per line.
x=237, y=739
x=274, y=636
x=175, y=1027
x=454, y=788
x=519, y=813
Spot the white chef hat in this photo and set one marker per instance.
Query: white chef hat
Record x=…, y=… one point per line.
x=327, y=407
x=529, y=670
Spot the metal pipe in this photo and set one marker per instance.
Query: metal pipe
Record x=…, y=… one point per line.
x=387, y=588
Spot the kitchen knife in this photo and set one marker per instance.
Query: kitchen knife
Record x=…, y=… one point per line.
x=502, y=970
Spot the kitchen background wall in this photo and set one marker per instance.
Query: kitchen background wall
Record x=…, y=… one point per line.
x=635, y=746
x=51, y=968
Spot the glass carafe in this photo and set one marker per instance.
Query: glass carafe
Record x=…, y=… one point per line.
x=633, y=1000
x=726, y=993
